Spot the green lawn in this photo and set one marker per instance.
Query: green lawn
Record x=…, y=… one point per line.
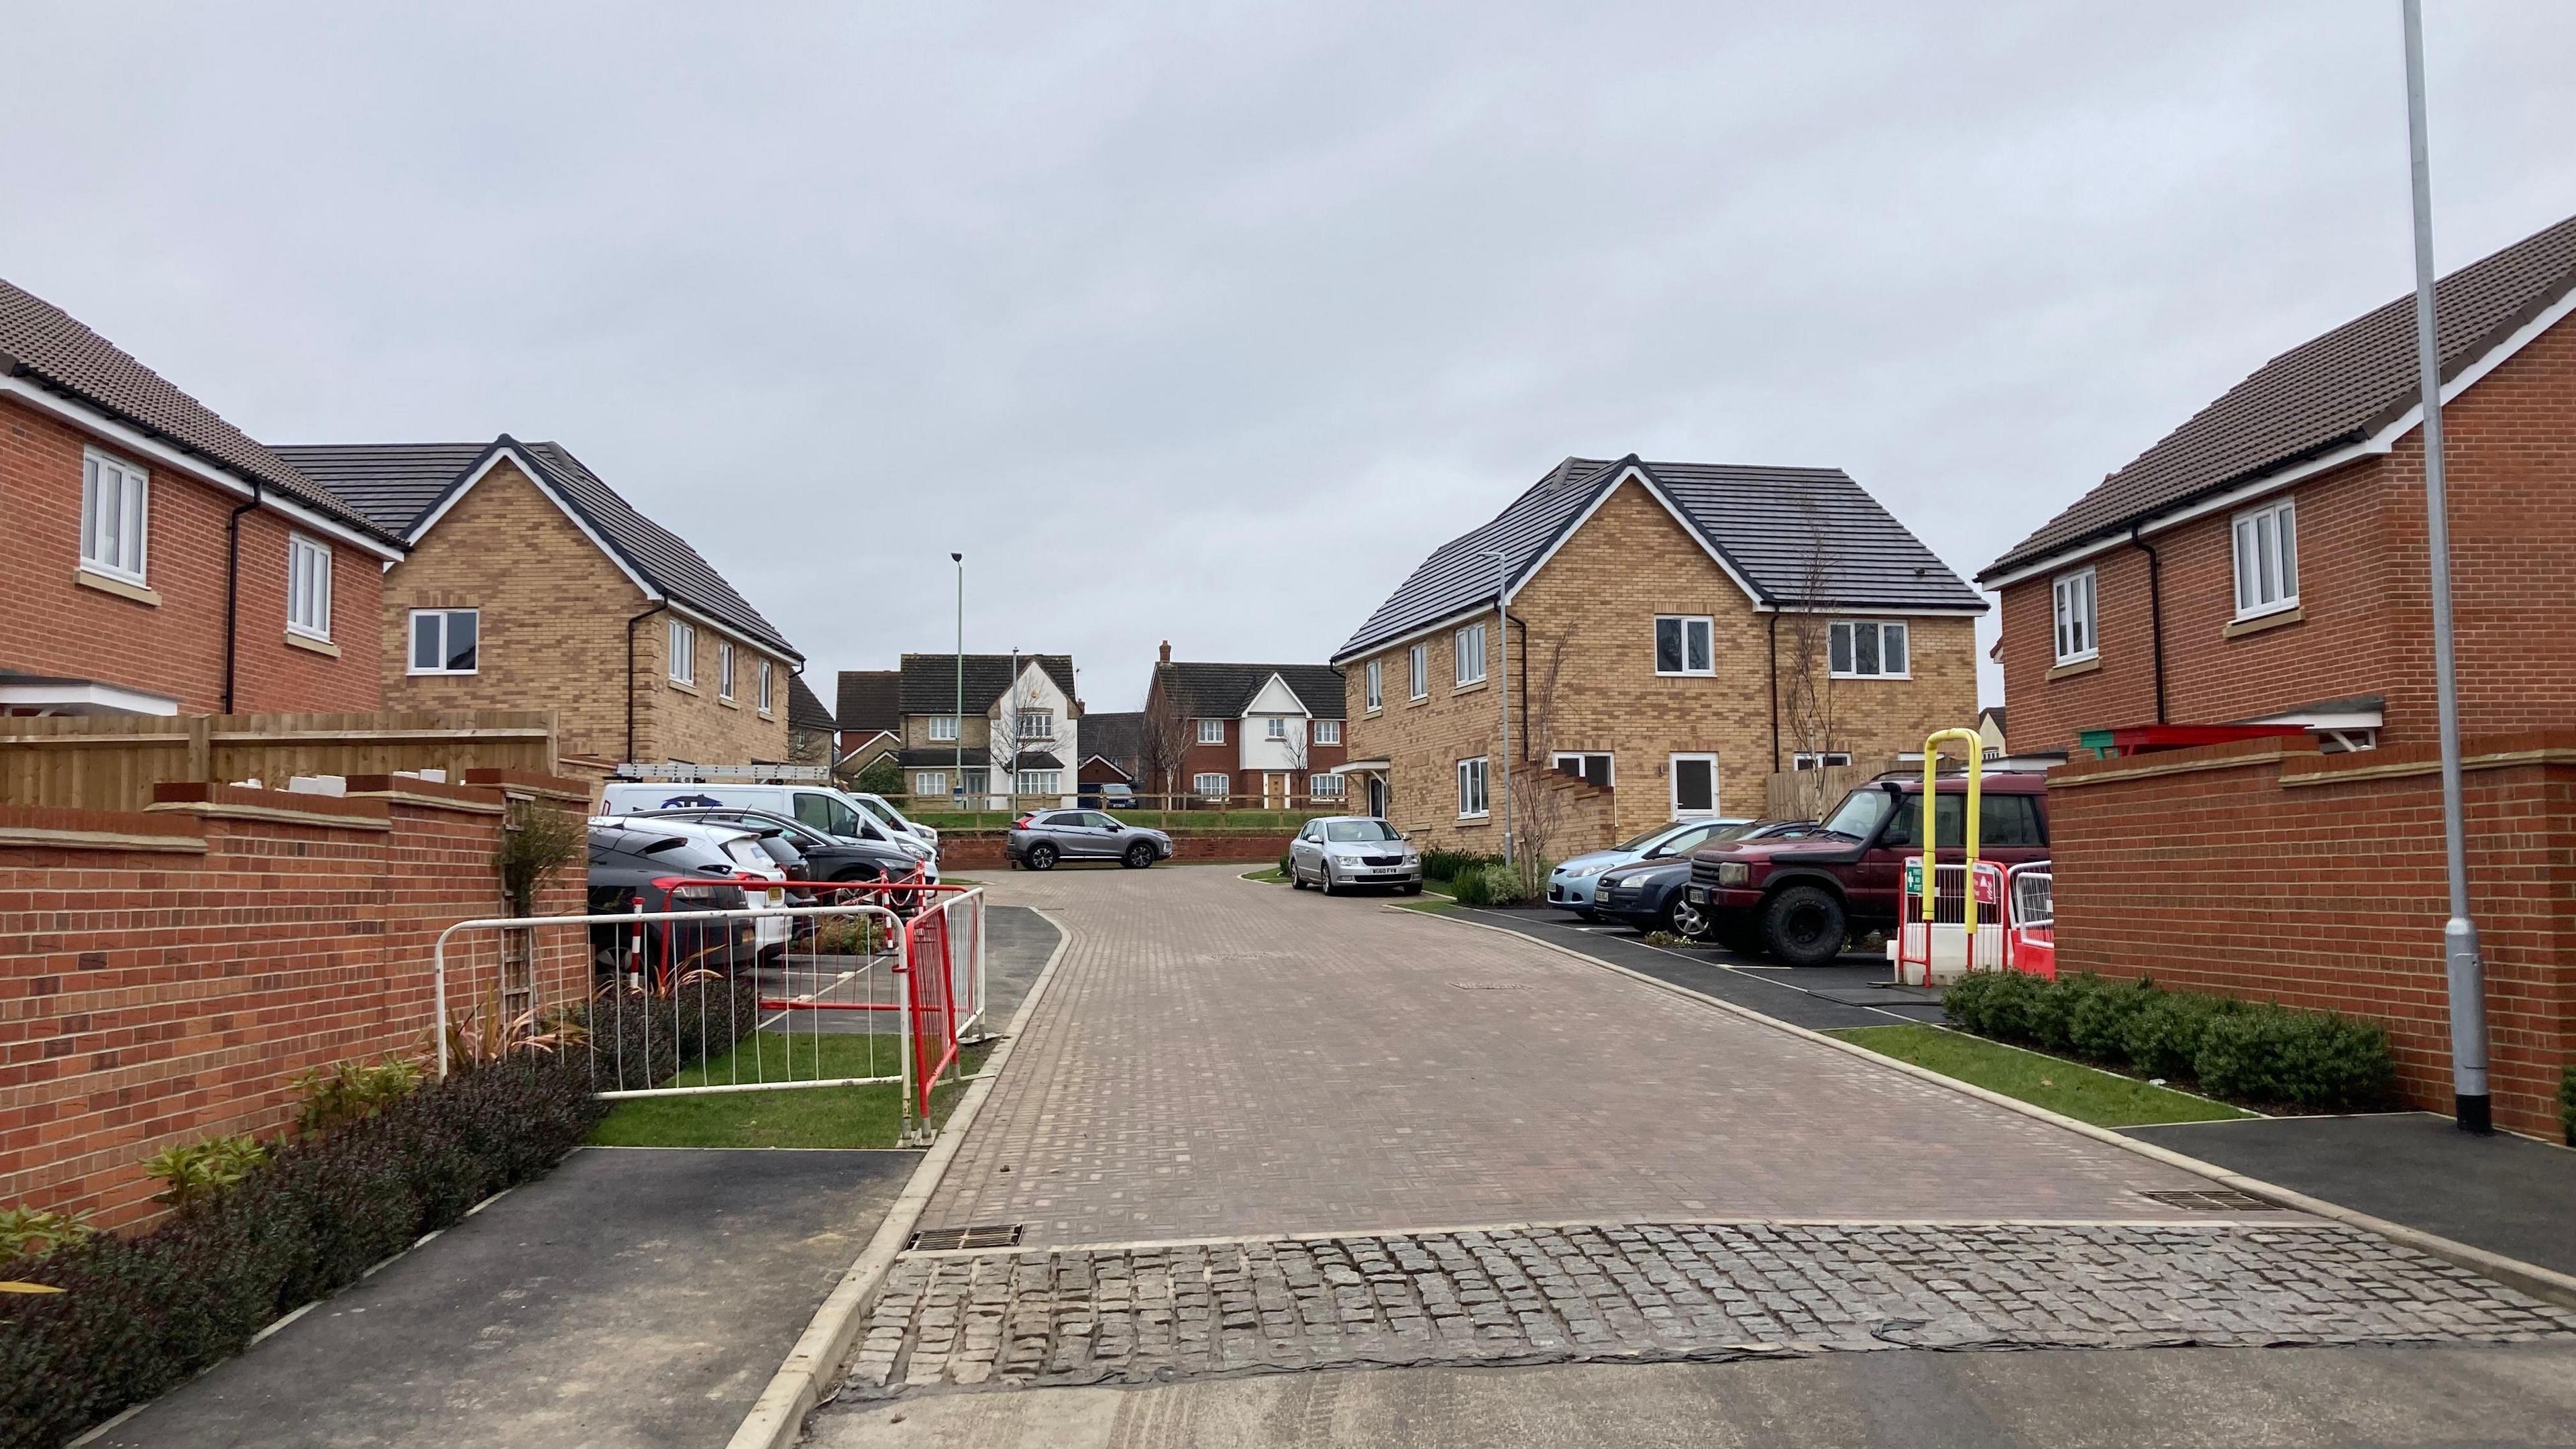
x=787, y=1117
x=1268, y=875
x=2087, y=1094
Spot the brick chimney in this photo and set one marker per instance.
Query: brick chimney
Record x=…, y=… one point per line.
x=1167, y=651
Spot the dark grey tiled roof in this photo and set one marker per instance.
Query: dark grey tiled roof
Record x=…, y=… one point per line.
x=1118, y=738
x=400, y=484
x=1796, y=536
x=871, y=699
x=2321, y=395
x=805, y=709
x=41, y=341
x=930, y=680
x=931, y=757
x=1211, y=691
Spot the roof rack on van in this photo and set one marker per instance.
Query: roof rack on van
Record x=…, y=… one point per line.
x=729, y=774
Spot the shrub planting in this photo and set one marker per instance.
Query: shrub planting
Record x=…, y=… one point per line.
x=1490, y=884
x=2245, y=1051
x=139, y=1315
x=1451, y=865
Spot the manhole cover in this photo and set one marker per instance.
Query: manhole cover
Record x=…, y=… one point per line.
x=981, y=1235
x=1490, y=985
x=2219, y=1200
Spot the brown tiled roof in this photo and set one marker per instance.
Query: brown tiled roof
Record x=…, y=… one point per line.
x=41, y=341
x=2323, y=394
x=1223, y=691
x=805, y=709
x=930, y=680
x=871, y=699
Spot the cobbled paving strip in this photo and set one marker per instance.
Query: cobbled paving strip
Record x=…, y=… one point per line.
x=1658, y=1293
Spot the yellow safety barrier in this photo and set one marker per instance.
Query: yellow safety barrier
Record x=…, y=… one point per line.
x=1975, y=744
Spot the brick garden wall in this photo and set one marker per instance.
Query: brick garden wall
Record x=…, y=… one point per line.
x=165, y=975
x=2262, y=871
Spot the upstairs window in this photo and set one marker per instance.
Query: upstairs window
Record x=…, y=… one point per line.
x=1376, y=685
x=443, y=640
x=1328, y=732
x=1867, y=648
x=724, y=670
x=1421, y=680
x=943, y=726
x=115, y=514
x=766, y=696
x=1211, y=731
x=1278, y=728
x=684, y=653
x=1685, y=645
x=2267, y=560
x=1037, y=724
x=308, y=587
x=1471, y=655
x=2074, y=596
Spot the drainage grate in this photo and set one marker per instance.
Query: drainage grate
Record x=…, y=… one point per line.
x=2216, y=1200
x=1491, y=985
x=982, y=1235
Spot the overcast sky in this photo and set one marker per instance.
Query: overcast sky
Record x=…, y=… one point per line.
x=1205, y=321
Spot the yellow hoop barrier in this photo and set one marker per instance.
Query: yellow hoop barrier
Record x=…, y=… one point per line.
x=1975, y=744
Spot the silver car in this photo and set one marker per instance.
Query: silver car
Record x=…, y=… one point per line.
x=1341, y=851
x=1042, y=837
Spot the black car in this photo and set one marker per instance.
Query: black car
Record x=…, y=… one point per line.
x=1649, y=894
x=628, y=861
x=823, y=857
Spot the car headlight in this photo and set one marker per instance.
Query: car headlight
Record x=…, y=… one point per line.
x=1734, y=873
x=1580, y=872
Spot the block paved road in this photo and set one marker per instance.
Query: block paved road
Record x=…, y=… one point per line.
x=1219, y=1058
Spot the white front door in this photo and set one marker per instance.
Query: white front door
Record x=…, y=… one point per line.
x=1694, y=779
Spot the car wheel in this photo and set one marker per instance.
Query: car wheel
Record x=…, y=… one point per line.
x=1041, y=857
x=1686, y=918
x=1411, y=888
x=1332, y=887
x=1804, y=926
x=1296, y=877
x=1139, y=856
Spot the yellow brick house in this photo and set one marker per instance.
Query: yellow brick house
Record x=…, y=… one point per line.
x=531, y=584
x=1677, y=632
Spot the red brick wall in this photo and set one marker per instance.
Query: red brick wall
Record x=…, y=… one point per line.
x=150, y=997
x=176, y=648
x=2366, y=625
x=2318, y=881
x=1227, y=760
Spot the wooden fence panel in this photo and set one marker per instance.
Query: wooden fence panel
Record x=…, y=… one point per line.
x=1808, y=794
x=111, y=762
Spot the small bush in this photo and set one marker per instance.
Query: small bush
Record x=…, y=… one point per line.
x=353, y=1090
x=2305, y=1059
x=2098, y=1027
x=628, y=1038
x=1967, y=1000
x=194, y=1171
x=1451, y=865
x=27, y=1232
x=2163, y=1037
x=1490, y=884
x=1285, y=863
x=848, y=936
x=140, y=1315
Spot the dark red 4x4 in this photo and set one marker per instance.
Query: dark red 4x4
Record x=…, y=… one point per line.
x=1802, y=900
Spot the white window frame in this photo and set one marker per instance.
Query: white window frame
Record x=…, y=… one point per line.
x=930, y=782
x=1211, y=731
x=1037, y=782
x=1419, y=680
x=684, y=652
x=2074, y=603
x=1328, y=732
x=1034, y=724
x=1222, y=786
x=724, y=669
x=2266, y=541
x=1475, y=784
x=308, y=588
x=116, y=535
x=1848, y=630
x=1324, y=787
x=1557, y=762
x=1707, y=632
x=1819, y=759
x=1673, y=785
x=411, y=641
x=768, y=695
x=1468, y=644
x=943, y=727
x=1278, y=728
x=1376, y=686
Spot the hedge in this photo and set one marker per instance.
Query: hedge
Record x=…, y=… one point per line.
x=2254, y=1052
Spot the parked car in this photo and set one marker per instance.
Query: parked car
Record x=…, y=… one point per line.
x=1570, y=885
x=627, y=859
x=826, y=810
x=825, y=857
x=884, y=811
x=1339, y=851
x=1042, y=837
x=1802, y=899
x=1647, y=892
x=762, y=874
x=1108, y=795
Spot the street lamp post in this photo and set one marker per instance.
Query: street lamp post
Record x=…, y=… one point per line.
x=957, y=781
x=2466, y=969
x=1503, y=685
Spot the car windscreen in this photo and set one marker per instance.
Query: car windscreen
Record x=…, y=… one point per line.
x=1640, y=842
x=1858, y=814
x=881, y=810
x=1359, y=831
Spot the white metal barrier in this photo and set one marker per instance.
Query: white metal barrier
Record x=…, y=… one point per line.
x=2030, y=944
x=1929, y=953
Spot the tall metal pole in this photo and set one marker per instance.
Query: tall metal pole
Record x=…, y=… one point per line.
x=958, y=780
x=1503, y=682
x=2467, y=970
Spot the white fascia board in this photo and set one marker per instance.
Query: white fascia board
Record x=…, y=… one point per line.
x=2381, y=442
x=85, y=696
x=1296, y=706
x=729, y=631
x=1882, y=611
x=134, y=440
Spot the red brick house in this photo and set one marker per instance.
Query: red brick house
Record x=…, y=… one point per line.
x=2265, y=561
x=159, y=561
x=1270, y=733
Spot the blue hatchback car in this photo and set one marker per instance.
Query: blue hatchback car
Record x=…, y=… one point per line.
x=1570, y=886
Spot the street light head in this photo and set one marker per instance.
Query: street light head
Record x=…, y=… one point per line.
x=957, y=558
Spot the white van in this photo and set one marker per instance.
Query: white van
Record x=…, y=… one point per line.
x=878, y=806
x=819, y=806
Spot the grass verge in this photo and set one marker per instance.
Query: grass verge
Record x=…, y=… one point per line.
x=1268, y=875
x=791, y=1116
x=2087, y=1094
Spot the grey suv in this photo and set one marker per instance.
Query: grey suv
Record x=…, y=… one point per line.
x=1042, y=837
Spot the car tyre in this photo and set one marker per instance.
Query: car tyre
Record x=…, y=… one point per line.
x=1296, y=879
x=1331, y=886
x=1138, y=857
x=1738, y=933
x=1411, y=888
x=1041, y=857
x=1804, y=926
